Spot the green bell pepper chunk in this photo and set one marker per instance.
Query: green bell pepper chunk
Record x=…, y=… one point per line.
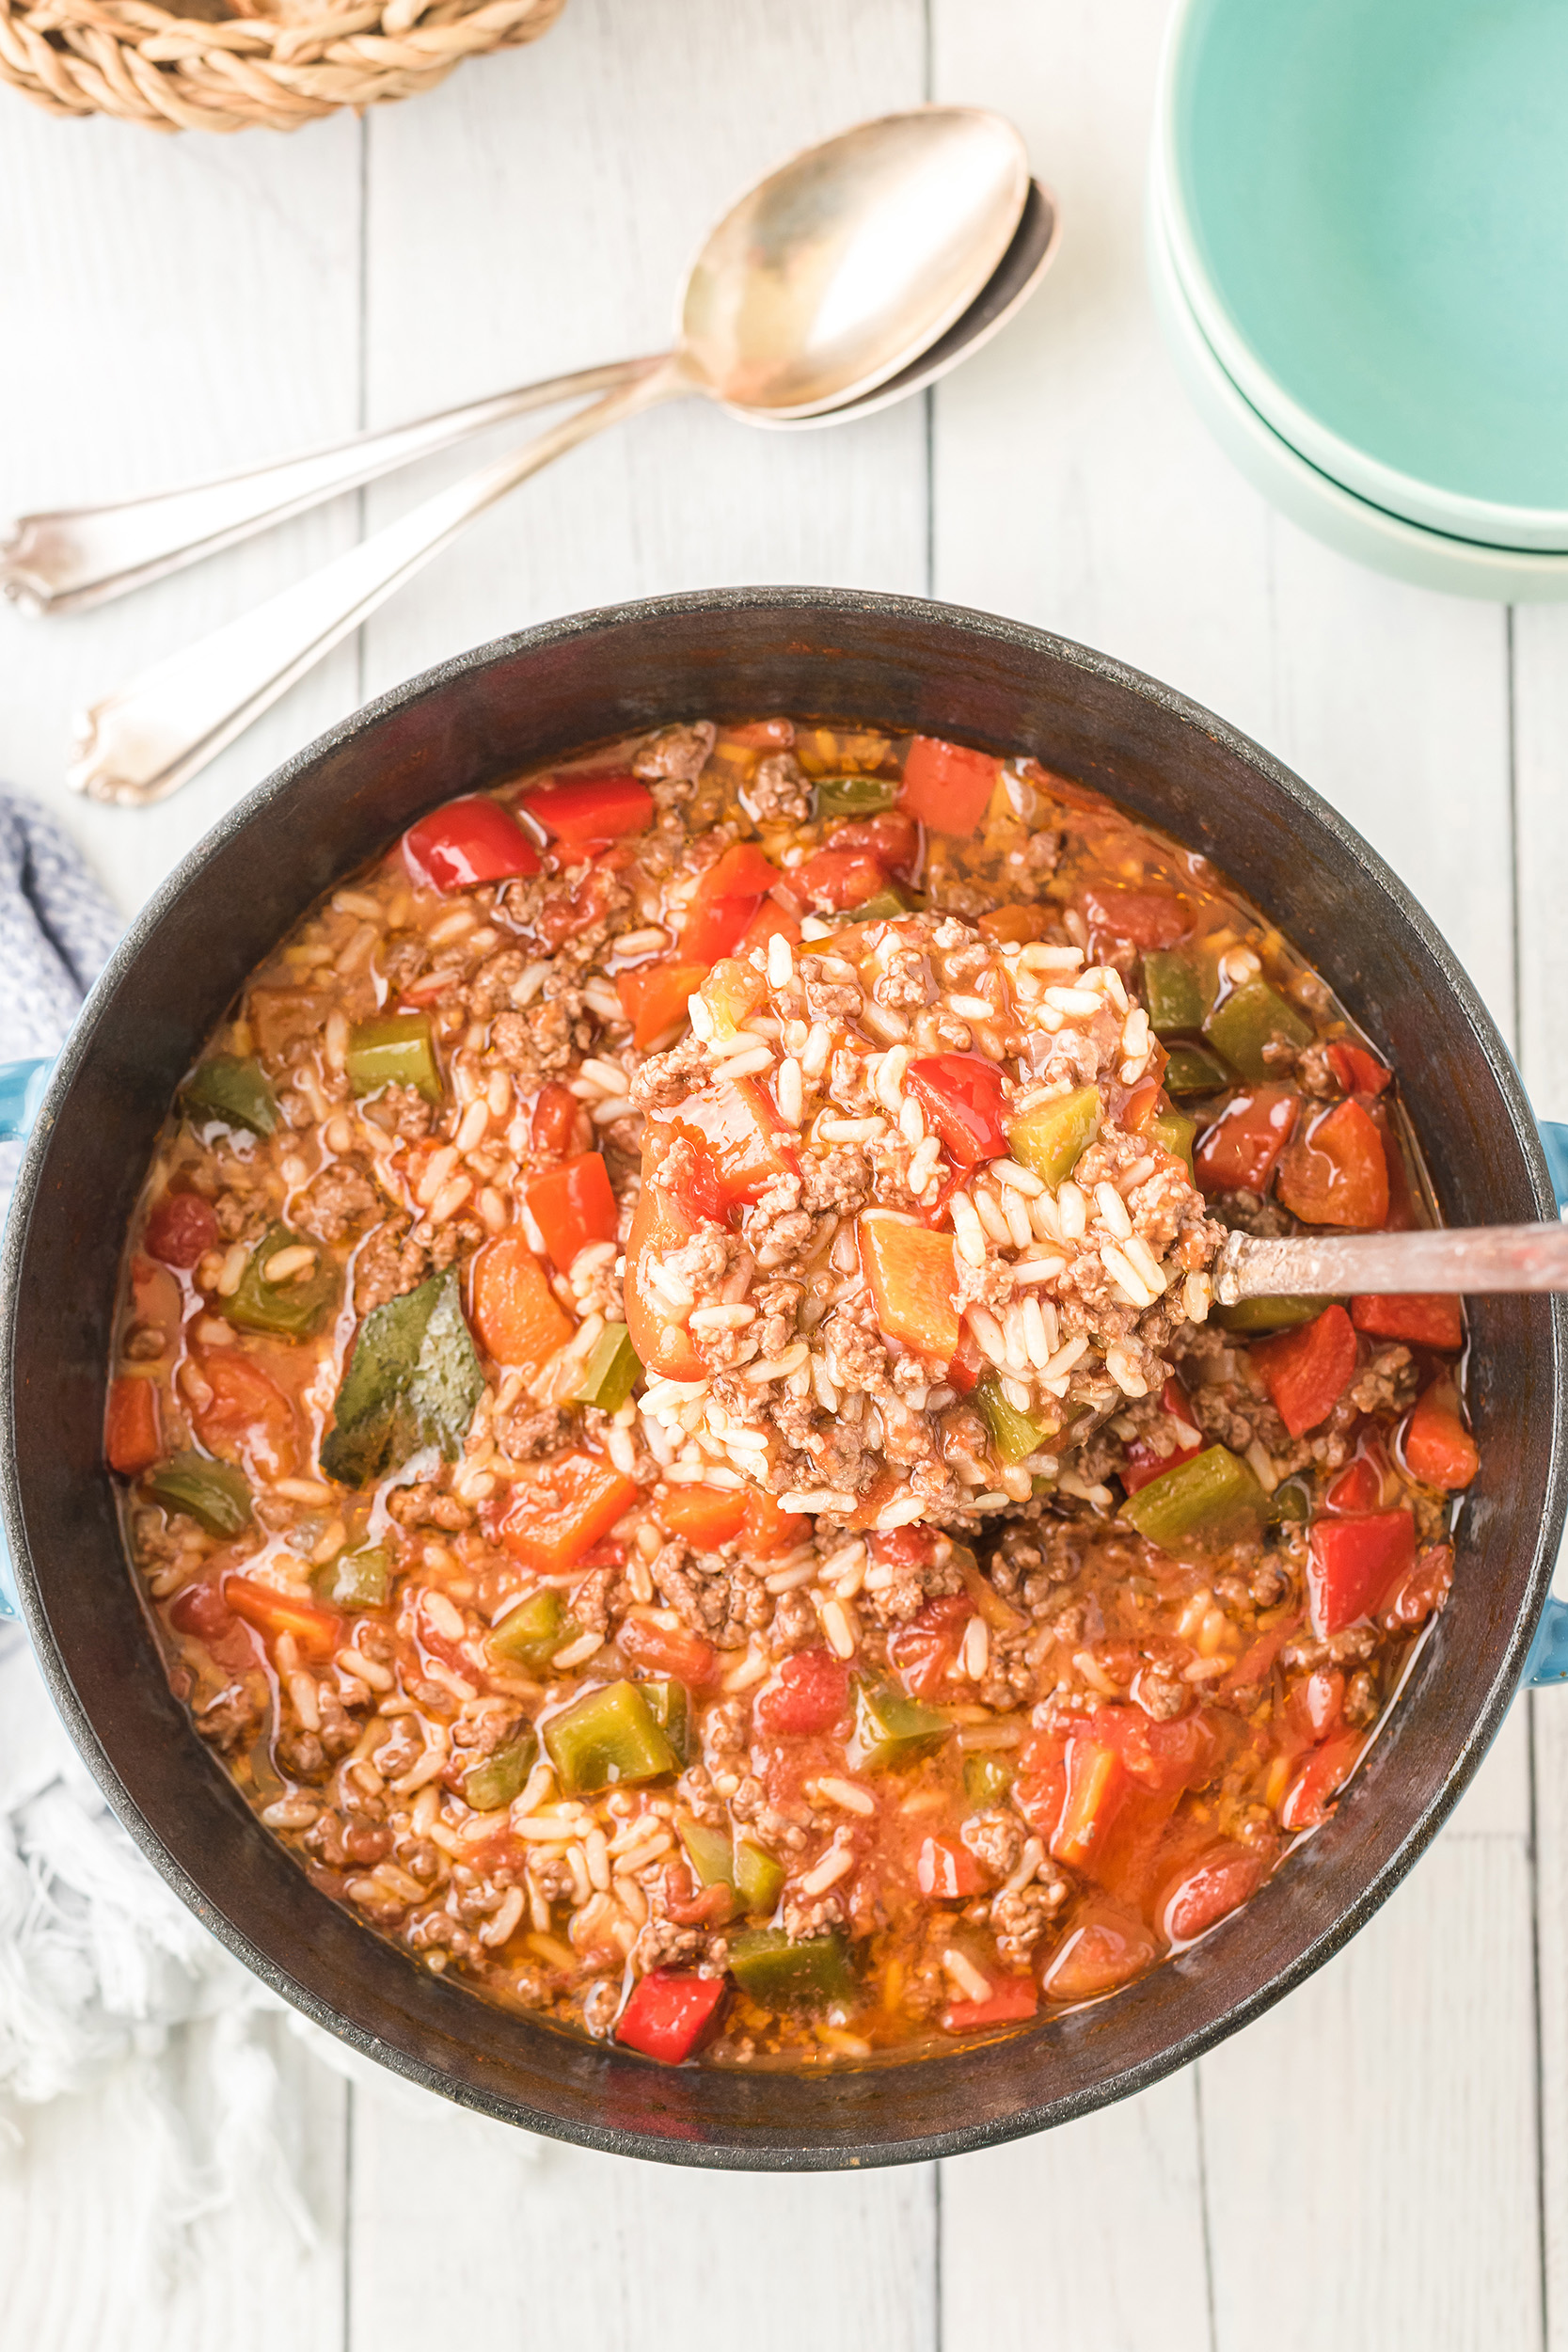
x=234, y=1090
x=987, y=1778
x=777, y=1974
x=1175, y=1131
x=1268, y=1314
x=891, y=1730
x=355, y=1580
x=1173, y=994
x=393, y=1049
x=291, y=1310
x=531, y=1634
x=708, y=1851
x=1052, y=1139
x=884, y=905
x=500, y=1777
x=671, y=1706
x=855, y=796
x=413, y=1380
x=1291, y=1501
x=214, y=1494
x=611, y=1372
x=606, y=1738
x=1012, y=1433
x=1190, y=1071
x=1250, y=1016
x=1210, y=1500
x=759, y=1876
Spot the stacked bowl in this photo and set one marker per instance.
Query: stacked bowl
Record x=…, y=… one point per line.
x=1358, y=247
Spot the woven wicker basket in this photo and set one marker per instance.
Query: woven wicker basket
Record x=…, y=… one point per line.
x=216, y=70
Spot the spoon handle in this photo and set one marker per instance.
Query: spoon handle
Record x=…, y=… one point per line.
x=1473, y=1258
x=63, y=563
x=154, y=734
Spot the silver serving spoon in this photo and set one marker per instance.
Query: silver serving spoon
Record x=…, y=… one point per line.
x=1458, y=1258
x=861, y=270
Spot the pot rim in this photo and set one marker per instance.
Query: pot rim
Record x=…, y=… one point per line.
x=822, y=2156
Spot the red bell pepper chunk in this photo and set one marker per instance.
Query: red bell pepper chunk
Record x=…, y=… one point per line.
x=770, y=921
x=1359, y=1487
x=1307, y=1372
x=182, y=1229
x=1010, y=2000
x=659, y=1224
x=947, y=1871
x=1239, y=1152
x=1351, y=1562
x=914, y=1282
x=580, y=810
x=947, y=785
x=836, y=878
x=705, y=1516
x=1426, y=1318
x=1309, y=1800
x=669, y=2013
x=1207, y=1890
x=562, y=1509
x=131, y=1438
x=1358, y=1072
x=559, y=1125
x=1142, y=1463
x=1337, y=1173
x=961, y=1097
x=669, y=1651
x=573, y=1206
x=1148, y=918
x=517, y=1317
x=738, y=1143
x=472, y=840
x=1097, y=1787
x=725, y=901
x=654, y=998
x=1438, y=1449
x=318, y=1631
x=811, y=1695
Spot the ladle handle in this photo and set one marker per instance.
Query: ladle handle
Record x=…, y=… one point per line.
x=1473, y=1258
x=153, y=735
x=65, y=562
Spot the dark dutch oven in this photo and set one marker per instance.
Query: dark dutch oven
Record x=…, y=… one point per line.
x=904, y=665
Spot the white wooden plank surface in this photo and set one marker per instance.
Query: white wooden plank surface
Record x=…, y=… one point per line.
x=1372, y=2145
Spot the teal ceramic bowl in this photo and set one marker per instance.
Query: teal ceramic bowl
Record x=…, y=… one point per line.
x=1354, y=525
x=1367, y=205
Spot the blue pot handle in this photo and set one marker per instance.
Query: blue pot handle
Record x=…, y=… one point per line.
x=21, y=1090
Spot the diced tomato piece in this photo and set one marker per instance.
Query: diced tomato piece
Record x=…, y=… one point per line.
x=838, y=878
x=961, y=1095
x=1106, y=1947
x=669, y=2013
x=182, y=1229
x=811, y=1695
x=156, y=1295
x=968, y=1362
x=1164, y=1758
x=1256, y=1662
x=1351, y=1562
x=1358, y=1072
x=770, y=921
x=578, y=810
x=914, y=1283
x=892, y=839
x=654, y=998
x=763, y=735
x=705, y=1516
x=912, y=1547
x=561, y=1508
x=131, y=1438
x=658, y=1333
x=923, y=1651
x=1039, y=1791
x=669, y=1651
x=1239, y=1152
x=1359, y=1485
x=1143, y=1462
x=739, y=1143
x=947, y=1871
x=573, y=1206
x=1425, y=1318
x=947, y=785
x=1421, y=1593
x=1308, y=1371
x=1309, y=1800
x=247, y=1409
x=1010, y=2000
x=201, y=1612
x=1207, y=1890
x=516, y=1316
x=471, y=840
x=318, y=1631
x=1096, y=1787
x=1149, y=918
x=729, y=895
x=559, y=1124
x=1020, y=923
x=765, y=1530
x=1438, y=1449
x=732, y=991
x=1337, y=1173
x=1317, y=1703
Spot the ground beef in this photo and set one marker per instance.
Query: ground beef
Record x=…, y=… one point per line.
x=779, y=793
x=340, y=1203
x=391, y=1262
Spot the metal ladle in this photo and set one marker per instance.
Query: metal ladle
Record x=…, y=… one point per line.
x=861, y=270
